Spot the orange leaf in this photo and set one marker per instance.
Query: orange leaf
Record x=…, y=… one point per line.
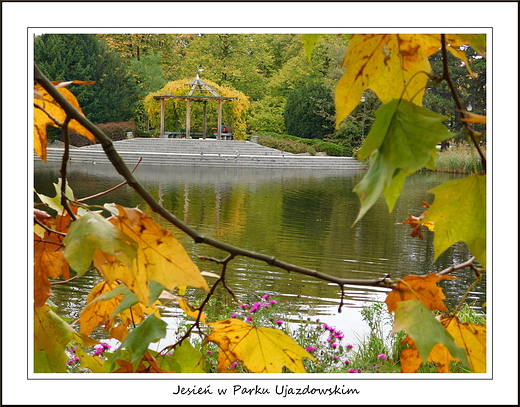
x=100, y=312
x=473, y=118
x=423, y=288
x=48, y=112
x=416, y=223
x=48, y=258
x=410, y=359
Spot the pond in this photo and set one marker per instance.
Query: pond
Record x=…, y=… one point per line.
x=304, y=217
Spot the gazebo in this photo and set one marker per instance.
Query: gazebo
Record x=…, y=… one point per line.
x=199, y=90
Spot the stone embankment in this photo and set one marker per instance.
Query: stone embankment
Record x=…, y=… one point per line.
x=199, y=152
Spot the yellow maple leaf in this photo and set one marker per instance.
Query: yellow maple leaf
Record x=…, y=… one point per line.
x=160, y=257
x=471, y=337
x=48, y=112
x=468, y=336
x=386, y=63
x=51, y=336
x=261, y=350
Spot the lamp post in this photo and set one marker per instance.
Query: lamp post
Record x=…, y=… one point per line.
x=363, y=100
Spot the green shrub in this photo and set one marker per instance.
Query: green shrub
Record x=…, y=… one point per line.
x=116, y=131
x=302, y=145
x=289, y=146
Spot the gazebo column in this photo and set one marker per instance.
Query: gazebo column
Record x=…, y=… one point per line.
x=204, y=119
x=162, y=117
x=188, y=117
x=219, y=122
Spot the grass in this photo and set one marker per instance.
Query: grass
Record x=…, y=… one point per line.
x=377, y=352
x=460, y=159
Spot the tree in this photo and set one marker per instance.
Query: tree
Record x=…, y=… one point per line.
x=231, y=60
x=64, y=56
x=309, y=112
x=141, y=262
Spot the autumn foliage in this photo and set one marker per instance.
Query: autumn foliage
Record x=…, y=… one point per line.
x=142, y=263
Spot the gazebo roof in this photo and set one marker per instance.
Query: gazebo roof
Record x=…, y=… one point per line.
x=197, y=85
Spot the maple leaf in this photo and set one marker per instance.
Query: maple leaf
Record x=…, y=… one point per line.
x=51, y=336
x=160, y=257
x=309, y=40
x=420, y=324
x=103, y=304
x=472, y=338
x=55, y=203
x=137, y=341
x=423, y=288
x=468, y=336
x=387, y=64
x=459, y=214
x=93, y=232
x=49, y=261
x=185, y=359
x=402, y=140
x=416, y=223
x=49, y=112
x=262, y=350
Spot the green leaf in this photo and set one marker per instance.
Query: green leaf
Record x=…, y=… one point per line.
x=55, y=203
x=92, y=232
x=309, y=40
x=418, y=322
x=459, y=214
x=186, y=358
x=402, y=140
x=150, y=330
x=130, y=299
x=51, y=336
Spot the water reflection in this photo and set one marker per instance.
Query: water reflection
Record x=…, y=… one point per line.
x=303, y=217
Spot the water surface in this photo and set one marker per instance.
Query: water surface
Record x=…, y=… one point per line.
x=304, y=217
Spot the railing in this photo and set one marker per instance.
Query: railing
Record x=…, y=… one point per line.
x=197, y=135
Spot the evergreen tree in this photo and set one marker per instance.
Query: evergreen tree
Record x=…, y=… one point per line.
x=309, y=112
x=63, y=57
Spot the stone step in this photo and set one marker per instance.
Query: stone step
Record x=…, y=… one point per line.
x=223, y=160
x=216, y=153
x=190, y=146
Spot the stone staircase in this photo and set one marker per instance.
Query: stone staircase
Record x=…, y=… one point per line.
x=200, y=152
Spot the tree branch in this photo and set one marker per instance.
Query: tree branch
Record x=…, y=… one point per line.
x=446, y=76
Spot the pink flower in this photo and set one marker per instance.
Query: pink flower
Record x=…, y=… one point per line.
x=352, y=370
x=334, y=345
x=209, y=351
x=248, y=319
x=381, y=356
x=265, y=297
x=279, y=321
x=349, y=346
x=244, y=306
x=346, y=362
x=310, y=348
x=272, y=302
x=233, y=315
